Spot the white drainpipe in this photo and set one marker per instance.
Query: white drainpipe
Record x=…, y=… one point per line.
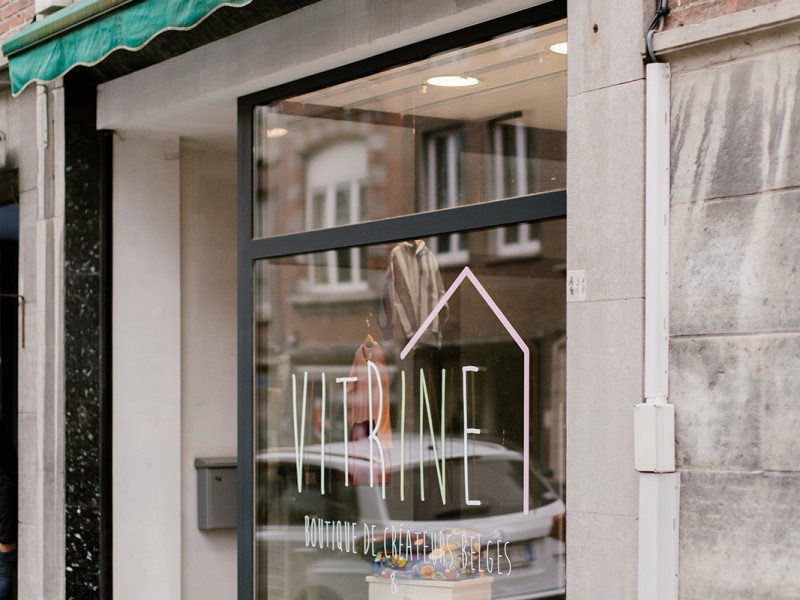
x=654, y=420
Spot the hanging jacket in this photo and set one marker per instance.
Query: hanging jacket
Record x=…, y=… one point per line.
x=412, y=288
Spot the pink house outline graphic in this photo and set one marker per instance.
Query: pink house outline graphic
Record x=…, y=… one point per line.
x=467, y=273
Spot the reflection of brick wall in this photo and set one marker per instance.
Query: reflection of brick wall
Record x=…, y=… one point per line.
x=688, y=12
x=14, y=15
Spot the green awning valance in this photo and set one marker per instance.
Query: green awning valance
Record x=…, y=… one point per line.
x=89, y=30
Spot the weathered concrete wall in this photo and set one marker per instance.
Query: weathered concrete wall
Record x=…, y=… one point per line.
x=735, y=313
x=605, y=237
x=41, y=375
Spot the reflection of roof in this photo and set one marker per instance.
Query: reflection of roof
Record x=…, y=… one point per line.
x=334, y=452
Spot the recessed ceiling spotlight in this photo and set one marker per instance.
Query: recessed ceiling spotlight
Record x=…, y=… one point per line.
x=276, y=132
x=560, y=48
x=452, y=81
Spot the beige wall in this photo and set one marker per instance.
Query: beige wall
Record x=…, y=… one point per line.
x=174, y=362
x=146, y=376
x=208, y=366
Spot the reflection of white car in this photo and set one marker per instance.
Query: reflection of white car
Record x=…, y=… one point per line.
x=291, y=565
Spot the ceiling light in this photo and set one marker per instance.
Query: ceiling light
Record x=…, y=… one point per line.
x=452, y=81
x=560, y=48
x=276, y=132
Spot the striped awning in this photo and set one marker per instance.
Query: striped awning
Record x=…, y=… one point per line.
x=88, y=31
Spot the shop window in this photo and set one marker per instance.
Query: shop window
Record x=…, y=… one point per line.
x=408, y=396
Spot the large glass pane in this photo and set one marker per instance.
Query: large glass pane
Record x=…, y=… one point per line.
x=410, y=145
x=409, y=411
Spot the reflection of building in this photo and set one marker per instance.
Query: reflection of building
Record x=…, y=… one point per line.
x=128, y=262
x=330, y=167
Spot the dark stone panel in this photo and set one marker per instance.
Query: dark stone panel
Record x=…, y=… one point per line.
x=81, y=332
x=82, y=249
x=82, y=234
x=82, y=552
x=87, y=343
x=82, y=390
x=82, y=458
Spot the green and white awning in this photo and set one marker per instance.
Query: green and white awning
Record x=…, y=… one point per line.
x=87, y=31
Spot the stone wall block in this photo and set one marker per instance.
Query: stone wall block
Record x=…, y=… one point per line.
x=605, y=226
x=28, y=467
x=718, y=413
x=29, y=550
x=606, y=40
x=52, y=530
x=738, y=540
x=736, y=128
x=28, y=209
x=734, y=265
x=778, y=384
x=736, y=401
x=596, y=549
x=605, y=342
x=23, y=135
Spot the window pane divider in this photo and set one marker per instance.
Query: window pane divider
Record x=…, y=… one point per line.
x=532, y=207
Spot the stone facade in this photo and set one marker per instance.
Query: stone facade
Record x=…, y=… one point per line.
x=735, y=309
x=735, y=302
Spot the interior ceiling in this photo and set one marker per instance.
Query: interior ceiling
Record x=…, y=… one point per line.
x=516, y=73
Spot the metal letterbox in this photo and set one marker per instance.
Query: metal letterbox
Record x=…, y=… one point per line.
x=216, y=492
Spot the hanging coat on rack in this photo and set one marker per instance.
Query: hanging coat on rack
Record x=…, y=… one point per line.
x=412, y=288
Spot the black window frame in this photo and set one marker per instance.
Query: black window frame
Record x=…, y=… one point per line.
x=535, y=207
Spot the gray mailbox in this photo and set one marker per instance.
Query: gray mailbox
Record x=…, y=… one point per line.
x=216, y=492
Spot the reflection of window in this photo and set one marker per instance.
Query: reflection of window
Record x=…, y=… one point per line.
x=443, y=170
x=519, y=239
x=335, y=196
x=515, y=176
